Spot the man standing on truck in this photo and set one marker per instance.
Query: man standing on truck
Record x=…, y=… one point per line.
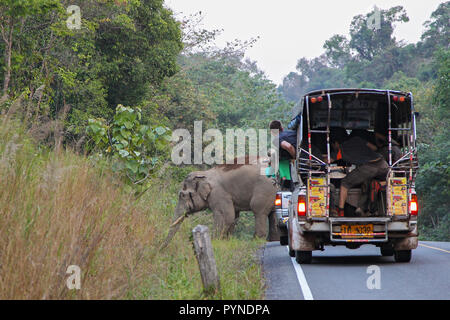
x=356, y=151
x=287, y=142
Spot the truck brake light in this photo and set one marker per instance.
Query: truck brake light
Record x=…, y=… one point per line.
x=413, y=206
x=278, y=200
x=301, y=206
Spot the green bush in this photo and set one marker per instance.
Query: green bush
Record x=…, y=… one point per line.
x=134, y=148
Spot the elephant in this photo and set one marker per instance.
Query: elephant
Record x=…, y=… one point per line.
x=226, y=190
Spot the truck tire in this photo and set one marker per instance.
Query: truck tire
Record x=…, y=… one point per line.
x=387, y=252
x=284, y=240
x=303, y=257
x=402, y=255
x=291, y=253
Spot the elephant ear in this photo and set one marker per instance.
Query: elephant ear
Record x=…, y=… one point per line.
x=203, y=188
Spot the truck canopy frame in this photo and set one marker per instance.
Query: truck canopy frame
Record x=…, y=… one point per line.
x=388, y=112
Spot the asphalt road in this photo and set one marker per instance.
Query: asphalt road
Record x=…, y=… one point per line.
x=340, y=273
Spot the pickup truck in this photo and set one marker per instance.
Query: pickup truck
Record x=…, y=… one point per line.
x=282, y=212
x=390, y=221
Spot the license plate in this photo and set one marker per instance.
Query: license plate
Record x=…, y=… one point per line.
x=356, y=230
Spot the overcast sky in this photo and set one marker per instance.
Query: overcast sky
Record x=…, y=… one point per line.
x=291, y=29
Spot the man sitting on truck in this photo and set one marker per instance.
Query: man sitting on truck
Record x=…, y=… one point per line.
x=356, y=151
x=287, y=141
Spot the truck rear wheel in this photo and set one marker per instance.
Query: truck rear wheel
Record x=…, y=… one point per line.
x=283, y=240
x=291, y=253
x=387, y=251
x=303, y=257
x=402, y=255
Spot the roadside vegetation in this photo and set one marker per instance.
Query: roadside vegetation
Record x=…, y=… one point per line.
x=58, y=208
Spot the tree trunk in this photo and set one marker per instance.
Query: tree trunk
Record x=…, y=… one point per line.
x=8, y=54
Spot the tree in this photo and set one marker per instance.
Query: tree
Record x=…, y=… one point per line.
x=399, y=81
x=442, y=96
x=239, y=94
x=180, y=102
x=121, y=50
x=12, y=14
x=433, y=182
x=292, y=87
x=134, y=148
x=229, y=91
x=139, y=46
x=437, y=29
x=368, y=42
x=337, y=50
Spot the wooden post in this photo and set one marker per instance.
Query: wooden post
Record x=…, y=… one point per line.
x=205, y=257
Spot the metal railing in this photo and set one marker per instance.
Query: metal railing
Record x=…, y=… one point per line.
x=406, y=166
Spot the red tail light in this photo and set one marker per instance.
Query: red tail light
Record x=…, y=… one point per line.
x=413, y=205
x=278, y=200
x=320, y=99
x=301, y=206
x=313, y=100
x=395, y=98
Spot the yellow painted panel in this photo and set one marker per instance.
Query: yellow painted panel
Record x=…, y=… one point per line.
x=317, y=197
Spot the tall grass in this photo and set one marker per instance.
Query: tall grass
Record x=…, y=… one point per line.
x=59, y=209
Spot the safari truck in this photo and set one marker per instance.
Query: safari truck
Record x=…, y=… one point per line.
x=390, y=221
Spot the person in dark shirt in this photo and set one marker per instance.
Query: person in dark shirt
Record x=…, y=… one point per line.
x=369, y=164
x=383, y=147
x=380, y=143
x=287, y=140
x=367, y=135
x=287, y=143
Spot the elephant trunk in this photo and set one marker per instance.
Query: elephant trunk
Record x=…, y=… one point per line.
x=178, y=218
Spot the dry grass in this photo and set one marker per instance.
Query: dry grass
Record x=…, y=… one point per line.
x=60, y=209
x=57, y=210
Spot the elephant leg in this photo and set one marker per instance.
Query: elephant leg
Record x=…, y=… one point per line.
x=274, y=232
x=233, y=225
x=261, y=212
x=224, y=218
x=219, y=223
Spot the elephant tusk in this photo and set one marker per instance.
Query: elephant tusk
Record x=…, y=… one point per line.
x=172, y=232
x=179, y=220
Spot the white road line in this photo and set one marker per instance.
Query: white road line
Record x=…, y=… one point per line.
x=301, y=279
